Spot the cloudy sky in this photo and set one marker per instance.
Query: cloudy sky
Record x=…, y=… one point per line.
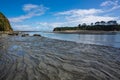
x=44, y=15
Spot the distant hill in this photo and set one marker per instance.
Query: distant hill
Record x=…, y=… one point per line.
x=4, y=23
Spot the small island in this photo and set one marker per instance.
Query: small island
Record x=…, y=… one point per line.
x=97, y=27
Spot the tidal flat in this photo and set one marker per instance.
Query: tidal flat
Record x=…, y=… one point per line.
x=41, y=58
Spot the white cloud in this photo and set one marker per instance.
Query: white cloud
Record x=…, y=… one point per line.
x=49, y=26
x=107, y=3
x=111, y=4
x=88, y=16
x=74, y=21
x=70, y=17
x=92, y=18
x=80, y=12
x=32, y=10
x=28, y=7
x=20, y=18
x=39, y=26
x=46, y=26
x=22, y=27
x=26, y=27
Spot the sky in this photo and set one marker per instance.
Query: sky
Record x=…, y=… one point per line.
x=45, y=15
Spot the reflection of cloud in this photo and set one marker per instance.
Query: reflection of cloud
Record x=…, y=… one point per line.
x=32, y=10
x=108, y=40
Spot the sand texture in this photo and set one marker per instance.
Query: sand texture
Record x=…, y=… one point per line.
x=40, y=58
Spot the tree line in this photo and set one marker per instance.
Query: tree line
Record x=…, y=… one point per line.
x=98, y=26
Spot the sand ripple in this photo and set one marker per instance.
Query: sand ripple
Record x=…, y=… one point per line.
x=39, y=58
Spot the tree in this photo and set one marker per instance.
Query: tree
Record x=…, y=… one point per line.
x=103, y=22
x=84, y=24
x=91, y=24
x=97, y=23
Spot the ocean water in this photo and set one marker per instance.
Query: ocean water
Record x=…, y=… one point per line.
x=98, y=39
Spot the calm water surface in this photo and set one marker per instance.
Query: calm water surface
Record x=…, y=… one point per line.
x=99, y=39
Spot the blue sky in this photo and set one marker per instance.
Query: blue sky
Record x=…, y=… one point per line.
x=44, y=15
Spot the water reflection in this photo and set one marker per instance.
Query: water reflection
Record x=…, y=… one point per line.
x=101, y=39
x=98, y=39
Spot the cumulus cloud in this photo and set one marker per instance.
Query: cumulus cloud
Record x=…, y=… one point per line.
x=32, y=10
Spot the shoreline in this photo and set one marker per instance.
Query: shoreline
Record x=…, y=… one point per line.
x=86, y=32
x=22, y=34
x=41, y=58
x=67, y=32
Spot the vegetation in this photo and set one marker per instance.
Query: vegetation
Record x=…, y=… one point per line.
x=101, y=27
x=4, y=23
x=65, y=28
x=98, y=26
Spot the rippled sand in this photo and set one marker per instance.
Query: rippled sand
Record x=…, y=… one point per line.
x=39, y=58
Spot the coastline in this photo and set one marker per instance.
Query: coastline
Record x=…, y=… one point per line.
x=86, y=32
x=41, y=58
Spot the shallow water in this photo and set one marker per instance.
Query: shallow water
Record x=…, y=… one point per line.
x=99, y=39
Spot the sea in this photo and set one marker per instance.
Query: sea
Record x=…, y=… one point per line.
x=112, y=39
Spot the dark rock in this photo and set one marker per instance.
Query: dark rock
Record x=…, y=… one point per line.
x=24, y=35
x=37, y=35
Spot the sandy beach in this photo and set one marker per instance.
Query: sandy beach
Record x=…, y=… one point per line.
x=40, y=58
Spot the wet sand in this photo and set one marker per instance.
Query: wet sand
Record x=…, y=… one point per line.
x=40, y=58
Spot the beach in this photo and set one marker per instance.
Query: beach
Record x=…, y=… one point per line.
x=41, y=58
